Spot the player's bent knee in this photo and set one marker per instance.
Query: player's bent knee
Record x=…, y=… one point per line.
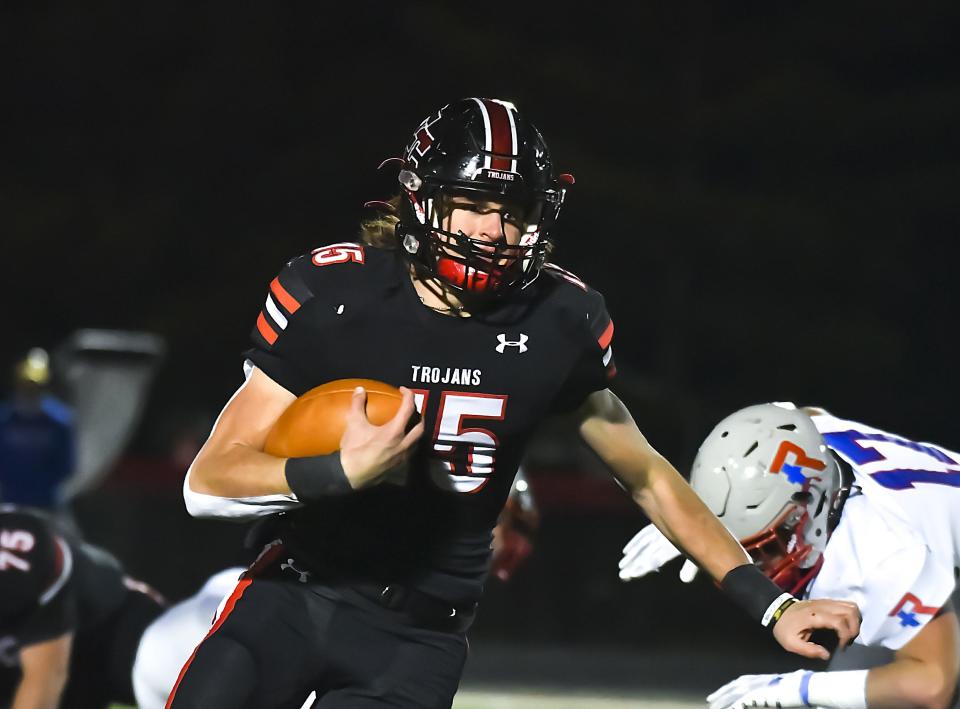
x=222, y=674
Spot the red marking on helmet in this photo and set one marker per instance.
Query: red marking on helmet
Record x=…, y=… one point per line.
x=424, y=140
x=286, y=300
x=803, y=460
x=266, y=331
x=604, y=339
x=567, y=178
x=501, y=135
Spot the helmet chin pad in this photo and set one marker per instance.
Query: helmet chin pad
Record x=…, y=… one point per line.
x=475, y=267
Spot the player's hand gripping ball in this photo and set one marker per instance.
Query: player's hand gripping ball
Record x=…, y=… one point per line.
x=314, y=423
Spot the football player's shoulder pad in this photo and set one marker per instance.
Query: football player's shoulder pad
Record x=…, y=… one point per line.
x=338, y=264
x=35, y=559
x=324, y=274
x=578, y=305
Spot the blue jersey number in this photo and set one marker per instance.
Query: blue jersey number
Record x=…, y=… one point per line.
x=848, y=443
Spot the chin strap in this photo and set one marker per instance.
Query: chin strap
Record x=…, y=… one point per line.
x=846, y=489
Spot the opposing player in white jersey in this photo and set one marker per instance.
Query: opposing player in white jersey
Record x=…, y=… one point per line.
x=167, y=642
x=831, y=508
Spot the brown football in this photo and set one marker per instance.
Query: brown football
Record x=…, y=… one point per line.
x=313, y=424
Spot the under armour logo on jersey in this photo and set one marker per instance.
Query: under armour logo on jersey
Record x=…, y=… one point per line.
x=504, y=343
x=303, y=575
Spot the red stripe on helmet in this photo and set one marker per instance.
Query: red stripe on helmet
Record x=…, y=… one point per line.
x=501, y=135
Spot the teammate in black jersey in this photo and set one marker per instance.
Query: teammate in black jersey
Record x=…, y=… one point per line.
x=70, y=618
x=381, y=549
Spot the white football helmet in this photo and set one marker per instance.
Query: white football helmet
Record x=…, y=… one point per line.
x=766, y=472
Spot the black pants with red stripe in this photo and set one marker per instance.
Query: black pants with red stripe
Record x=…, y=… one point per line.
x=278, y=640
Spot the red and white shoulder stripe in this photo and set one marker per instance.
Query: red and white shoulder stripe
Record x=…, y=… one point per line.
x=287, y=294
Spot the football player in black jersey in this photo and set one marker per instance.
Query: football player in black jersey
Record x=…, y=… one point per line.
x=69, y=616
x=382, y=548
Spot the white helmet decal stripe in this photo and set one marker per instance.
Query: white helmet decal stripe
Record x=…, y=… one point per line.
x=500, y=134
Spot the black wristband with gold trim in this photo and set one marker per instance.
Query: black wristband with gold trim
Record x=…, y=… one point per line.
x=760, y=597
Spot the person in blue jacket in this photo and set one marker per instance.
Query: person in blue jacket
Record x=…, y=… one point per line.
x=37, y=446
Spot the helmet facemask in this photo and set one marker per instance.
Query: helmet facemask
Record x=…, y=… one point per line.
x=781, y=552
x=476, y=268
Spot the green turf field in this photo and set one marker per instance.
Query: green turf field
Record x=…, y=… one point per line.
x=473, y=699
x=477, y=699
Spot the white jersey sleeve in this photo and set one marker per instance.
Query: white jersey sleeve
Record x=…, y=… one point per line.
x=876, y=561
x=895, y=618
x=896, y=547
x=170, y=639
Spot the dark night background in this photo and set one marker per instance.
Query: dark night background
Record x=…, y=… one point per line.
x=766, y=195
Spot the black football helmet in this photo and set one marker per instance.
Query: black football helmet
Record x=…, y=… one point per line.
x=485, y=150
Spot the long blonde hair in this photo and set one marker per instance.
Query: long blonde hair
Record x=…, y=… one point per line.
x=379, y=229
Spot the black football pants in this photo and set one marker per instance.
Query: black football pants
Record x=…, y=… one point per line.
x=278, y=639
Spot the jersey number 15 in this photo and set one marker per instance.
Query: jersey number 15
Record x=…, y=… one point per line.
x=465, y=456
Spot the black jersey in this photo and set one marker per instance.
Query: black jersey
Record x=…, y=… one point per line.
x=482, y=384
x=50, y=582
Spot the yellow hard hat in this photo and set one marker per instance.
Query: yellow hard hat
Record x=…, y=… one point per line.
x=35, y=367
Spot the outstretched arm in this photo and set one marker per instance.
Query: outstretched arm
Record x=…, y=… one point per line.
x=656, y=486
x=923, y=674
x=673, y=506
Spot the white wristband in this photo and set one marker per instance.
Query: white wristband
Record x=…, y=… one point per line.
x=773, y=608
x=841, y=690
